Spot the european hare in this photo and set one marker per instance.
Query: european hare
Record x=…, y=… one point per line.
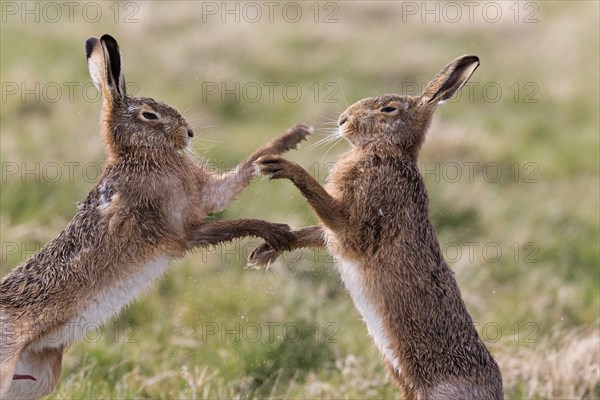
x=147, y=209
x=375, y=221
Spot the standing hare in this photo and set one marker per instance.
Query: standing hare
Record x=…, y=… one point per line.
x=375, y=221
x=147, y=209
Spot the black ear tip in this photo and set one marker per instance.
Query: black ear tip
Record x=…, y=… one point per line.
x=89, y=46
x=471, y=59
x=106, y=38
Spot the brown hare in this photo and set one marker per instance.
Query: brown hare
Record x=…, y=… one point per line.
x=375, y=222
x=147, y=208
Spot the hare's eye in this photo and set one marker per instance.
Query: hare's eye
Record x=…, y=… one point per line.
x=388, y=109
x=149, y=115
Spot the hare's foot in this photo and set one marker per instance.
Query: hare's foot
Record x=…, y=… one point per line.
x=274, y=167
x=290, y=139
x=278, y=236
x=263, y=256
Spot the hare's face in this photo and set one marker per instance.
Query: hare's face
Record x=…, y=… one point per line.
x=397, y=124
x=386, y=121
x=147, y=123
x=131, y=123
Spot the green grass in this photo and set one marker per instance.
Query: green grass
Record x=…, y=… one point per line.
x=213, y=329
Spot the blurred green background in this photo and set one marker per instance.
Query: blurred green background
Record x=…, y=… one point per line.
x=511, y=168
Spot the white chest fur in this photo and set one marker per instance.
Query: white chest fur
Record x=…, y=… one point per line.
x=351, y=274
x=104, y=304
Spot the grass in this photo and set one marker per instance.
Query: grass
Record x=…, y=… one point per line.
x=213, y=329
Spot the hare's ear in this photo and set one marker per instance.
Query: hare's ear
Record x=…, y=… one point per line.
x=450, y=79
x=104, y=63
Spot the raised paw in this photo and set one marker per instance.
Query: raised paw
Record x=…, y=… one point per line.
x=263, y=256
x=291, y=138
x=274, y=167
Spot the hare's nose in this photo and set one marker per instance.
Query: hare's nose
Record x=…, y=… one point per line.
x=342, y=121
x=190, y=132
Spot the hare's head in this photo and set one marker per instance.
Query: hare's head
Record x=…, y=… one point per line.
x=399, y=123
x=131, y=123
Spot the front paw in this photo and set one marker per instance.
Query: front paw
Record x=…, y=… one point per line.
x=292, y=138
x=274, y=167
x=278, y=236
x=263, y=256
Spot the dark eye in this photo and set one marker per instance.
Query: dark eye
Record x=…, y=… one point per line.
x=149, y=115
x=388, y=109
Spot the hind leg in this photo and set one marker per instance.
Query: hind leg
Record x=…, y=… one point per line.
x=8, y=360
x=10, y=350
x=44, y=366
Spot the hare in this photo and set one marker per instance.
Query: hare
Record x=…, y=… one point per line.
x=147, y=208
x=375, y=222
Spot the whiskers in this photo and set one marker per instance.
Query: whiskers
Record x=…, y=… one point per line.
x=200, y=146
x=201, y=142
x=333, y=137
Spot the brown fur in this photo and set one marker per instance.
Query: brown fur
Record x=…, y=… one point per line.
x=151, y=201
x=375, y=213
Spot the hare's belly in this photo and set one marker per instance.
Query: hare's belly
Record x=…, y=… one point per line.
x=103, y=305
x=351, y=273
